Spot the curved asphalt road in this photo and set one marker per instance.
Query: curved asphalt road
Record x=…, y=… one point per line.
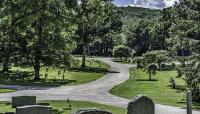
x=96, y=91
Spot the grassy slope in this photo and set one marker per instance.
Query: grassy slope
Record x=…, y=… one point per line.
x=71, y=77
x=159, y=90
x=6, y=90
x=60, y=105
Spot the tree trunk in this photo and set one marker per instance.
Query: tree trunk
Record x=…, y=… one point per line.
x=150, y=76
x=37, y=70
x=38, y=47
x=84, y=56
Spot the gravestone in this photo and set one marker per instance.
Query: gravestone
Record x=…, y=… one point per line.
x=64, y=70
x=141, y=105
x=173, y=65
x=91, y=111
x=59, y=72
x=173, y=83
x=34, y=109
x=189, y=102
x=23, y=101
x=46, y=76
x=162, y=66
x=63, y=77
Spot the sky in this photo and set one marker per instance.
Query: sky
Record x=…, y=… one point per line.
x=154, y=4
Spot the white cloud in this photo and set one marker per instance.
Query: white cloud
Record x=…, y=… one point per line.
x=155, y=4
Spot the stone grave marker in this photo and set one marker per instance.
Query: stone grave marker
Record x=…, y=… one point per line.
x=189, y=102
x=23, y=101
x=173, y=83
x=34, y=109
x=141, y=105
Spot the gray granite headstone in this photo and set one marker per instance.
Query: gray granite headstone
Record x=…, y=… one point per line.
x=34, y=109
x=91, y=111
x=23, y=101
x=141, y=105
x=189, y=102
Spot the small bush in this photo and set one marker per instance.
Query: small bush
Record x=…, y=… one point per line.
x=122, y=51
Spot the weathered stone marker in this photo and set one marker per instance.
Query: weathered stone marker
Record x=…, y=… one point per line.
x=141, y=105
x=23, y=101
x=189, y=102
x=91, y=111
x=34, y=109
x=173, y=83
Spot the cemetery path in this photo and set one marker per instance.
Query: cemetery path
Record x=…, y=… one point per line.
x=96, y=91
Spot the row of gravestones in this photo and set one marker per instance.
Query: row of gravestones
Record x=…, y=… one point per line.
x=27, y=105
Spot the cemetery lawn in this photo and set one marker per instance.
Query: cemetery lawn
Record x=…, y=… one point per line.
x=60, y=107
x=72, y=77
x=6, y=90
x=159, y=90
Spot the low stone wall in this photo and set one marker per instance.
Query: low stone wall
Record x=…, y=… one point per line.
x=23, y=101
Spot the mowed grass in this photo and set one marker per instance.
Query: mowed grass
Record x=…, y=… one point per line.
x=6, y=90
x=71, y=76
x=159, y=90
x=60, y=107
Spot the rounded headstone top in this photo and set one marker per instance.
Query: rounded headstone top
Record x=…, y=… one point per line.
x=140, y=98
x=141, y=105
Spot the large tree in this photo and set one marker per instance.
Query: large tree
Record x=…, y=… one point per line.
x=138, y=37
x=95, y=19
x=185, y=28
x=43, y=28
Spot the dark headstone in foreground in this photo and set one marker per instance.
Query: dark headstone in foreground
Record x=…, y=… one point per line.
x=91, y=111
x=23, y=101
x=141, y=105
x=189, y=102
x=34, y=109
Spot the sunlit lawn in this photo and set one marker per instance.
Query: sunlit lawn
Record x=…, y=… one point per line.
x=78, y=76
x=6, y=90
x=60, y=107
x=160, y=90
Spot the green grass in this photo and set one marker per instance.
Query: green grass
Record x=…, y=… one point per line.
x=77, y=76
x=160, y=90
x=6, y=90
x=60, y=107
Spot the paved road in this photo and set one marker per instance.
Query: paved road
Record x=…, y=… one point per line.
x=97, y=91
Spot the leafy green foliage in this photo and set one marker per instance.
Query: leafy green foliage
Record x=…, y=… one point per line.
x=138, y=37
x=121, y=51
x=191, y=77
x=184, y=33
x=153, y=59
x=38, y=31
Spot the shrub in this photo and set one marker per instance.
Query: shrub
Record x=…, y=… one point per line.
x=122, y=51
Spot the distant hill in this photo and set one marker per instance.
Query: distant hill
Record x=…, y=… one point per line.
x=139, y=13
x=131, y=15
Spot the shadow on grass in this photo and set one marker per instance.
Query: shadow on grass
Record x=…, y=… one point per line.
x=56, y=111
x=48, y=83
x=146, y=80
x=27, y=80
x=113, y=72
x=179, y=88
x=89, y=70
